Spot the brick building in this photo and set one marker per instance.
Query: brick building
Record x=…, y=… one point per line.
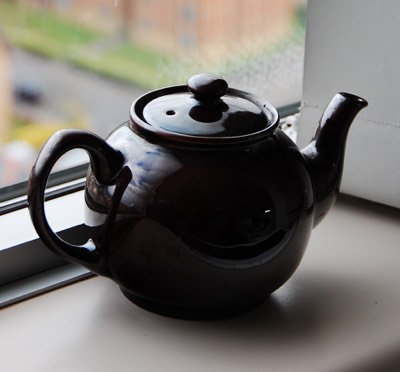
x=177, y=26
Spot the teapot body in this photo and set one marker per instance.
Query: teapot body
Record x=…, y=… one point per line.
x=199, y=206
x=194, y=232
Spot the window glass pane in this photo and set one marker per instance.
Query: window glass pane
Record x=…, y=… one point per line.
x=80, y=64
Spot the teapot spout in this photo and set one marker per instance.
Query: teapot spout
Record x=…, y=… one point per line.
x=325, y=152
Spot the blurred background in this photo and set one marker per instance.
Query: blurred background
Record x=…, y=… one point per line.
x=81, y=63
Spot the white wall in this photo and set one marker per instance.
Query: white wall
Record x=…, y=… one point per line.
x=354, y=46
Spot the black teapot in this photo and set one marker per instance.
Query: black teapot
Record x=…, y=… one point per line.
x=199, y=206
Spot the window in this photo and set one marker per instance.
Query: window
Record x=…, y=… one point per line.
x=81, y=64
x=188, y=12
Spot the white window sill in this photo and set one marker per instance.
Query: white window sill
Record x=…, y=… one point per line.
x=27, y=267
x=41, y=283
x=339, y=312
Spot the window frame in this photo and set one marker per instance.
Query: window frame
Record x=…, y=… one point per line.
x=27, y=267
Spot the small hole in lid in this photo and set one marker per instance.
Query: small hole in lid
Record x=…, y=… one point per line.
x=170, y=112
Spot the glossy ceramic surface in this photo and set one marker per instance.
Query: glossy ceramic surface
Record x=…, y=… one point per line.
x=193, y=223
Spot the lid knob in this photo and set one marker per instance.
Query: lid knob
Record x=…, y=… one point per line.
x=207, y=87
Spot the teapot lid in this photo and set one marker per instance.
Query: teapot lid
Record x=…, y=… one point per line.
x=205, y=111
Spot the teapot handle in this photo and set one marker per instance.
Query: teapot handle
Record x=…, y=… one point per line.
x=106, y=163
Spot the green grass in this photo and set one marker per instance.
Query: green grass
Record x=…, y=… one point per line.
x=55, y=37
x=125, y=62
x=42, y=32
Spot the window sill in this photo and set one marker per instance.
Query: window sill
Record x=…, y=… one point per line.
x=27, y=267
x=38, y=284
x=339, y=311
